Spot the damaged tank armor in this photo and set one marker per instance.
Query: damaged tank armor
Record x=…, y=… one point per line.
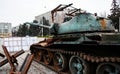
x=86, y=44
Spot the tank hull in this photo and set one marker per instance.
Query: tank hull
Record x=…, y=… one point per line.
x=92, y=54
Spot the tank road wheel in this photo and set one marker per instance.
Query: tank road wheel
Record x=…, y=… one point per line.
x=108, y=68
x=47, y=57
x=38, y=55
x=60, y=62
x=35, y=55
x=78, y=65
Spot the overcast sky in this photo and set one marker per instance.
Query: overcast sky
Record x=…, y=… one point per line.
x=20, y=11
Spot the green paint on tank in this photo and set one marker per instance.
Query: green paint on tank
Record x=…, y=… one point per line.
x=83, y=22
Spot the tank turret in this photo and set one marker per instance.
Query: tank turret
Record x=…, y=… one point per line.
x=82, y=22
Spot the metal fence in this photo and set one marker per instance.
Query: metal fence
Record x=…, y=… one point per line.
x=18, y=43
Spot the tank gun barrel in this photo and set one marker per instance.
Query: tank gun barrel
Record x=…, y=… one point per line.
x=41, y=25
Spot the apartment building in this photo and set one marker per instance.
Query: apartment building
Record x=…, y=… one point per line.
x=5, y=29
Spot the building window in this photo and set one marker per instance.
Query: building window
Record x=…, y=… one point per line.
x=5, y=30
x=6, y=26
x=0, y=30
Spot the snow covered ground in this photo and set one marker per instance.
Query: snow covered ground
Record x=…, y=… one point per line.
x=18, y=43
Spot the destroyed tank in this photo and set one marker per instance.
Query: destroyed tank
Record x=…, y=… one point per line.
x=86, y=44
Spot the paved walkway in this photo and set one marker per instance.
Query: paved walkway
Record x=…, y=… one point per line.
x=35, y=68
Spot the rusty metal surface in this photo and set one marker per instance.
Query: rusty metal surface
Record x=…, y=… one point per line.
x=59, y=8
x=4, y=61
x=92, y=59
x=2, y=55
x=11, y=59
x=27, y=64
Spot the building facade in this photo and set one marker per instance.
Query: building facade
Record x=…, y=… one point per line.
x=46, y=19
x=58, y=17
x=5, y=29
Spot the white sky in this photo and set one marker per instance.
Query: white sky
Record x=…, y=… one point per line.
x=20, y=11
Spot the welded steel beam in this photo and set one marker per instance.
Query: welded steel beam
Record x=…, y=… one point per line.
x=59, y=8
x=2, y=55
x=26, y=64
x=3, y=62
x=12, y=59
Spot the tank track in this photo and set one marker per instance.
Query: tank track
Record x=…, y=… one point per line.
x=50, y=67
x=87, y=57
